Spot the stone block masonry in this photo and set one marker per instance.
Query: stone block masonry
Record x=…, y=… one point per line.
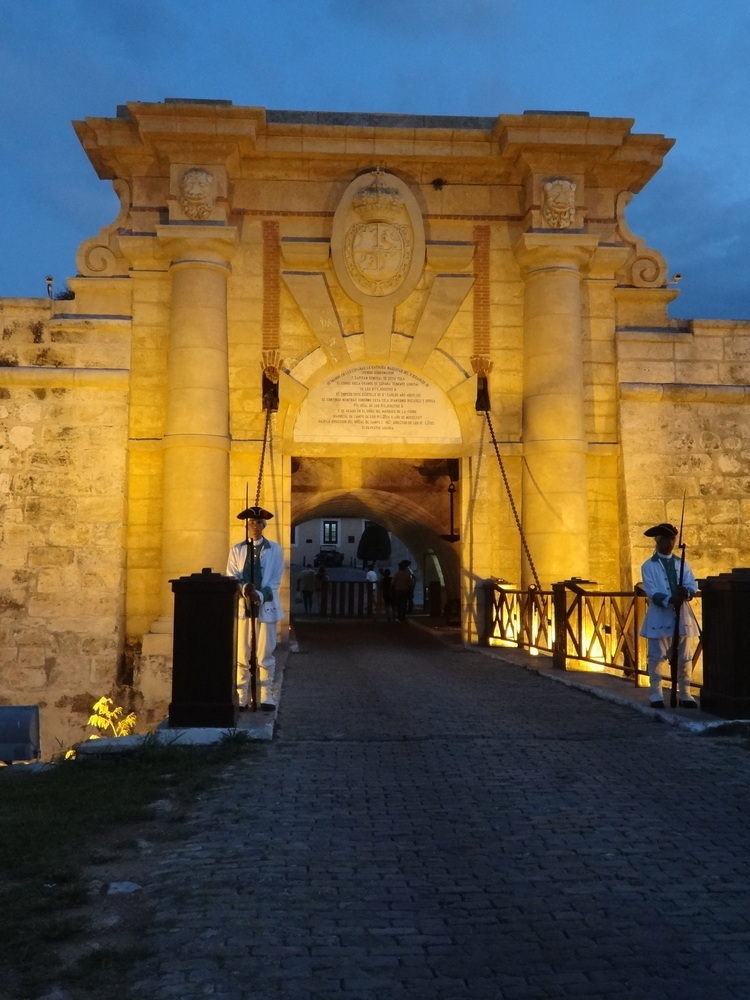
x=63, y=466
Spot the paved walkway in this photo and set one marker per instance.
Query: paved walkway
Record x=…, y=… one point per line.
x=433, y=823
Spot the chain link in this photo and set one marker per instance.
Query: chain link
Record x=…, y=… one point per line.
x=512, y=501
x=262, y=457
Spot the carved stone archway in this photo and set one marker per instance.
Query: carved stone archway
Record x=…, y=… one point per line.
x=414, y=525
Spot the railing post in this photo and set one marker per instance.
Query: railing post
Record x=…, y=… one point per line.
x=560, y=613
x=526, y=618
x=487, y=617
x=638, y=601
x=521, y=609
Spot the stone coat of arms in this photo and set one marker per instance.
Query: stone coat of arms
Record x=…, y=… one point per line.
x=377, y=236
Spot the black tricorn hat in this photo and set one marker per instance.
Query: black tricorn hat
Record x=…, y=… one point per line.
x=662, y=529
x=255, y=514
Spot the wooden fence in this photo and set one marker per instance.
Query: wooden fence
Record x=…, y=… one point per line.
x=592, y=628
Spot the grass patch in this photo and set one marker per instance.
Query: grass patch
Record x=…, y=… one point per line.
x=55, y=823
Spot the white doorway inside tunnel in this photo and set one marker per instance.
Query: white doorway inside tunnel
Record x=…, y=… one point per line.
x=334, y=543
x=337, y=499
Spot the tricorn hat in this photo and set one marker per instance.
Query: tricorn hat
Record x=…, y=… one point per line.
x=661, y=529
x=257, y=514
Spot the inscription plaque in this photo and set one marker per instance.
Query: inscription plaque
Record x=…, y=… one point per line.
x=378, y=403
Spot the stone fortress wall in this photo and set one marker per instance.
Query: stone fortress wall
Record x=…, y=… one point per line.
x=685, y=431
x=63, y=463
x=375, y=264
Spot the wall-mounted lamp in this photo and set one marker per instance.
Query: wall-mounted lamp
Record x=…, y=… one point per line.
x=453, y=536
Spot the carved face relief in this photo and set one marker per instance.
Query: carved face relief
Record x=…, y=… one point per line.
x=559, y=203
x=197, y=194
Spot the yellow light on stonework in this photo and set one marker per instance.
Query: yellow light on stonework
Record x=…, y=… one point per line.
x=596, y=654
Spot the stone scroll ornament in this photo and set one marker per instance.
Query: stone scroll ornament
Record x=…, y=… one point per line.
x=559, y=203
x=646, y=268
x=99, y=257
x=197, y=193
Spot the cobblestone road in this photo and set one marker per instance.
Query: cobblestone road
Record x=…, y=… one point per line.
x=433, y=824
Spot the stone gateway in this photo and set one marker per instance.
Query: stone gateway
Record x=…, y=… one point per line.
x=374, y=264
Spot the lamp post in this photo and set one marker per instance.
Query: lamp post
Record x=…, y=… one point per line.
x=453, y=536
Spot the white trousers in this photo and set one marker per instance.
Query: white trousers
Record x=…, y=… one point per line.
x=266, y=633
x=659, y=651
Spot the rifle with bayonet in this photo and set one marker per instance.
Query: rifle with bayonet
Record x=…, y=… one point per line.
x=251, y=608
x=677, y=601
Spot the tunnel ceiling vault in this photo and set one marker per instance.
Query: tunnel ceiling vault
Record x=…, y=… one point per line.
x=402, y=517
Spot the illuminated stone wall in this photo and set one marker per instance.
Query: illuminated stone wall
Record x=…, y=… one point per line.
x=63, y=405
x=685, y=430
x=379, y=266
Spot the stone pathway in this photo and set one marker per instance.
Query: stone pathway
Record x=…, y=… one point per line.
x=433, y=824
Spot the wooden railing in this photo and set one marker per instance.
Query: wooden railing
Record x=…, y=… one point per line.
x=576, y=625
x=521, y=617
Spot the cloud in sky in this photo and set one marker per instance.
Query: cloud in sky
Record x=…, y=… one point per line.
x=676, y=67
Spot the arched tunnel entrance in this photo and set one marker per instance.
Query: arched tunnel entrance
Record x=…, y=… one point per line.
x=410, y=521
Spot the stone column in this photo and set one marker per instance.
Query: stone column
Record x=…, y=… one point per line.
x=554, y=494
x=196, y=437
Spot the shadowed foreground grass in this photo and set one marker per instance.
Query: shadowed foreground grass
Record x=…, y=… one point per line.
x=53, y=825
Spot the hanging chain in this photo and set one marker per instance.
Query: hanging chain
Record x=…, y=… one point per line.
x=512, y=502
x=262, y=457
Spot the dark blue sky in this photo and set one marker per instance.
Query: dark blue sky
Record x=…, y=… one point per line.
x=679, y=68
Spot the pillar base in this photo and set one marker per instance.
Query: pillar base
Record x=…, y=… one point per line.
x=154, y=677
x=192, y=715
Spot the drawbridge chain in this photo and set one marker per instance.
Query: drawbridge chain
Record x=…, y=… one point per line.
x=512, y=501
x=262, y=457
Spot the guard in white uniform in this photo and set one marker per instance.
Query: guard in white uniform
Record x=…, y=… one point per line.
x=660, y=576
x=259, y=565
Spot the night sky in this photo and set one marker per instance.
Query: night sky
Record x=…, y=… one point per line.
x=681, y=69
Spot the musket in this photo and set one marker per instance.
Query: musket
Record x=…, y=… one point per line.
x=251, y=612
x=677, y=601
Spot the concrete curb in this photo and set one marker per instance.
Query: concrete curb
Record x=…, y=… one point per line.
x=257, y=725
x=602, y=686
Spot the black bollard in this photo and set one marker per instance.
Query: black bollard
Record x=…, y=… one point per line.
x=204, y=692
x=726, y=671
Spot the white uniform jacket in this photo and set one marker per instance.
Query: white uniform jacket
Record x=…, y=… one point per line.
x=272, y=569
x=659, y=621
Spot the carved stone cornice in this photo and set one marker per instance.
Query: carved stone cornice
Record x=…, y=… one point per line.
x=550, y=251
x=198, y=245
